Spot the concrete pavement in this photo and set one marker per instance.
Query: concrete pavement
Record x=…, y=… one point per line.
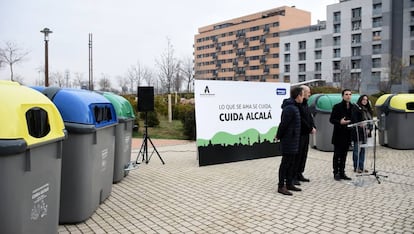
x=241, y=197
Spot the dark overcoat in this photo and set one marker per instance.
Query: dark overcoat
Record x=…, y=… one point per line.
x=289, y=128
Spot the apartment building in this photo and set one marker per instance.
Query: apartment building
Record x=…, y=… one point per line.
x=363, y=45
x=245, y=48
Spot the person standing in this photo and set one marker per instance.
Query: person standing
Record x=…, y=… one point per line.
x=361, y=112
x=289, y=135
x=341, y=137
x=307, y=126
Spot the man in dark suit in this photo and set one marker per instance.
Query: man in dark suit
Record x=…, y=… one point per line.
x=341, y=137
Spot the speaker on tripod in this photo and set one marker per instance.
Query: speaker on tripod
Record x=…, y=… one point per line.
x=146, y=104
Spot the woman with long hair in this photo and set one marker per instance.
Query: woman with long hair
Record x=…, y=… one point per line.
x=361, y=111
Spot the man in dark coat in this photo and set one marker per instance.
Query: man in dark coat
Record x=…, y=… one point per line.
x=341, y=137
x=307, y=126
x=289, y=134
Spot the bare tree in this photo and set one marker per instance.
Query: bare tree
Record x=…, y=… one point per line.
x=57, y=79
x=148, y=76
x=135, y=75
x=105, y=83
x=396, y=74
x=187, y=71
x=177, y=82
x=11, y=54
x=67, y=79
x=168, y=67
x=79, y=80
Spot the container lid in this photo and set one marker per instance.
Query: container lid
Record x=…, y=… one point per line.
x=29, y=115
x=381, y=100
x=326, y=102
x=402, y=102
x=82, y=106
x=122, y=106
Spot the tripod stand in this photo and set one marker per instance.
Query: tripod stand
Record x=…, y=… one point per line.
x=364, y=125
x=144, y=146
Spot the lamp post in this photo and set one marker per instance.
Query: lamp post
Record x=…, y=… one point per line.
x=46, y=32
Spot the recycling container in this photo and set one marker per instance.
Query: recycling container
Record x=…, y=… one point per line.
x=321, y=107
x=88, y=151
x=396, y=120
x=123, y=134
x=381, y=106
x=31, y=136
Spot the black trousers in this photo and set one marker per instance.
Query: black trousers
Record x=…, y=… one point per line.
x=339, y=158
x=303, y=154
x=287, y=169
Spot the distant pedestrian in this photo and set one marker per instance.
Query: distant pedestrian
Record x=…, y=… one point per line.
x=289, y=135
x=341, y=136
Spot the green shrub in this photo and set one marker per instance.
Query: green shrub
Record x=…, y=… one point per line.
x=152, y=118
x=186, y=114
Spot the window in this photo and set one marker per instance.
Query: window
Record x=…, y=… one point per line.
x=376, y=35
x=318, y=76
x=287, y=58
x=337, y=41
x=302, y=67
x=301, y=78
x=411, y=60
x=286, y=79
x=376, y=75
x=302, y=45
x=377, y=22
x=337, y=53
x=376, y=49
x=318, y=54
x=287, y=46
x=336, y=65
x=356, y=64
x=356, y=38
x=337, y=77
x=356, y=25
x=276, y=24
x=337, y=28
x=337, y=16
x=318, y=43
x=356, y=51
x=376, y=9
x=276, y=65
x=376, y=62
x=318, y=66
x=356, y=76
x=356, y=13
x=411, y=31
x=255, y=28
x=276, y=55
x=302, y=56
x=287, y=68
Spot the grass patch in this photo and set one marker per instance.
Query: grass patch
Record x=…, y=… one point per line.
x=165, y=130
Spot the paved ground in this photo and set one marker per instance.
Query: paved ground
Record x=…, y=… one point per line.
x=241, y=197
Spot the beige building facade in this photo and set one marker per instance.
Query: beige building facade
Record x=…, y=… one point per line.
x=245, y=48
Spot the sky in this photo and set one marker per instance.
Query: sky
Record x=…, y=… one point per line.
x=125, y=32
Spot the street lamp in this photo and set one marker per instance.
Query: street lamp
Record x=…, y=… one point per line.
x=46, y=31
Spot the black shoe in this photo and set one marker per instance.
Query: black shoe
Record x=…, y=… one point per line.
x=344, y=177
x=303, y=179
x=293, y=188
x=337, y=177
x=296, y=182
x=283, y=190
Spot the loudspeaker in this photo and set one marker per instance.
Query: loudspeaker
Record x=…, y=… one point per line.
x=145, y=98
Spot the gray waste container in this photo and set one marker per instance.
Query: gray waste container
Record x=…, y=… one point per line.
x=123, y=134
x=321, y=107
x=88, y=151
x=396, y=114
x=31, y=135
